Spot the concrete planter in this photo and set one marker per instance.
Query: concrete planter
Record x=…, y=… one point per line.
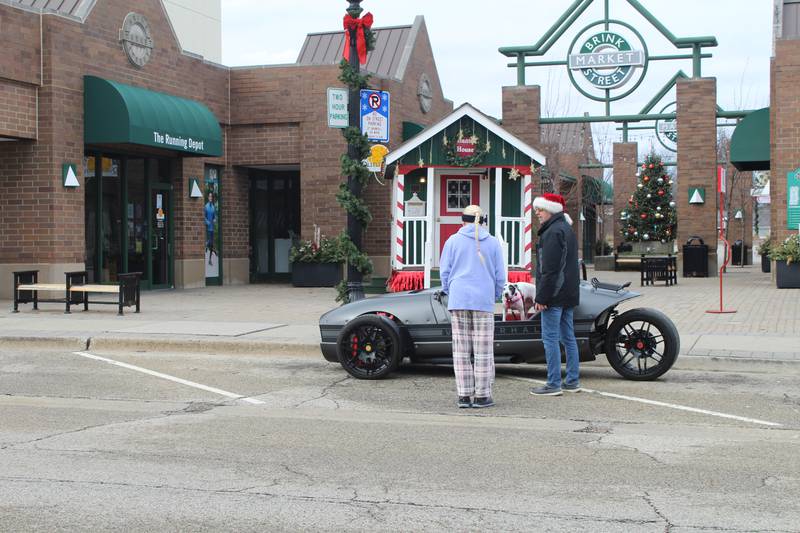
x=316, y=274
x=787, y=276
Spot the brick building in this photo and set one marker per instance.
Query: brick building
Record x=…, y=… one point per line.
x=115, y=136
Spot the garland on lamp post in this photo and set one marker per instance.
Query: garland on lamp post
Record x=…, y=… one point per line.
x=359, y=40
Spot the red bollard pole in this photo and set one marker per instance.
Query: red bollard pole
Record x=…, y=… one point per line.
x=721, y=188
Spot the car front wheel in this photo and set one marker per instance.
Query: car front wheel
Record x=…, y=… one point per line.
x=369, y=347
x=642, y=344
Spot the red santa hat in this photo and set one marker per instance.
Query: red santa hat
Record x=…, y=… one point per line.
x=552, y=203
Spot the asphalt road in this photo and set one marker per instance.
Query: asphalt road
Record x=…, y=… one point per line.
x=295, y=444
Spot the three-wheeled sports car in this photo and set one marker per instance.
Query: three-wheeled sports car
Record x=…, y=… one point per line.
x=371, y=337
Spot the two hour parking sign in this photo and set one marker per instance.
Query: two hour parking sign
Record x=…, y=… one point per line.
x=375, y=115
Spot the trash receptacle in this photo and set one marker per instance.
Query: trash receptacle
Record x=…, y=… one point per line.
x=695, y=258
x=740, y=253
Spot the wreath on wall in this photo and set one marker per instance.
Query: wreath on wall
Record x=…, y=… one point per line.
x=482, y=148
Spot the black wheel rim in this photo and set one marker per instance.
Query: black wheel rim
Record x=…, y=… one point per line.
x=367, y=350
x=641, y=348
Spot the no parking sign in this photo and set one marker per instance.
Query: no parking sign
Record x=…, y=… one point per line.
x=375, y=115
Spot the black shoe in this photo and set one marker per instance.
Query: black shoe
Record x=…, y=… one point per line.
x=483, y=402
x=464, y=402
x=570, y=388
x=546, y=391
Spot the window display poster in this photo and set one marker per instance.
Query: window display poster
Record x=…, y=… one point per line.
x=211, y=216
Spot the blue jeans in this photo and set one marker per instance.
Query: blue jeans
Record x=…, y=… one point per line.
x=557, y=327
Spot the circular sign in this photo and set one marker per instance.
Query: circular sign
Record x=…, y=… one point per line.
x=425, y=93
x=667, y=130
x=607, y=60
x=136, y=39
x=374, y=100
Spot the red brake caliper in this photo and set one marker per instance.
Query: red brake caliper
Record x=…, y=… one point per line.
x=355, y=349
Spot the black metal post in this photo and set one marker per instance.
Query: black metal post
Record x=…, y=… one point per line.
x=355, y=286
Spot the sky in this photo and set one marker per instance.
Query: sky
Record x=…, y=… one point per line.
x=466, y=34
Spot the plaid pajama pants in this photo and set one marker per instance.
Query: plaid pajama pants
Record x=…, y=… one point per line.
x=473, y=334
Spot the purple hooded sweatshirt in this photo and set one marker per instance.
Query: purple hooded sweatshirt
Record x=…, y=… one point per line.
x=472, y=285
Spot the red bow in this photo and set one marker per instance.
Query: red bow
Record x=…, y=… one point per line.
x=359, y=25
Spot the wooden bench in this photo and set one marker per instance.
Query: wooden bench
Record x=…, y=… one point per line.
x=627, y=262
x=76, y=290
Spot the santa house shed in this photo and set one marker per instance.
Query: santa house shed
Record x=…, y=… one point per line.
x=466, y=158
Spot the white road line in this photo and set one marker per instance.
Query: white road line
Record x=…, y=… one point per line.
x=661, y=404
x=171, y=378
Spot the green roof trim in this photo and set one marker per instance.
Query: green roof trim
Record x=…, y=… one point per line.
x=410, y=129
x=118, y=113
x=750, y=142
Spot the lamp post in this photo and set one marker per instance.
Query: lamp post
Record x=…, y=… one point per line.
x=355, y=285
x=740, y=217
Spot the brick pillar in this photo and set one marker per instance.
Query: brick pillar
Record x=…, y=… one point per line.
x=625, y=159
x=697, y=163
x=522, y=106
x=784, y=125
x=189, y=242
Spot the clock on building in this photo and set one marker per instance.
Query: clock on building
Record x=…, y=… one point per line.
x=425, y=93
x=136, y=39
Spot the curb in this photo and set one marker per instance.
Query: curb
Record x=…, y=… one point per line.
x=142, y=344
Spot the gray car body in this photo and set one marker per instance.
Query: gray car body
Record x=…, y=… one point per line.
x=424, y=324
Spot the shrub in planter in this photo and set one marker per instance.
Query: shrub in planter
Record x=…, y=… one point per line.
x=603, y=248
x=764, y=250
x=316, y=263
x=787, y=262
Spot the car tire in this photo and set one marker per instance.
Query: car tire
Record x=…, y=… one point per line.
x=369, y=347
x=642, y=344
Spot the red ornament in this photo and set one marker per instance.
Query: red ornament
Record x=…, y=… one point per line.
x=644, y=166
x=661, y=192
x=646, y=179
x=643, y=215
x=652, y=165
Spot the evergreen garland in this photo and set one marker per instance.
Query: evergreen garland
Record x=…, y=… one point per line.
x=352, y=204
x=481, y=149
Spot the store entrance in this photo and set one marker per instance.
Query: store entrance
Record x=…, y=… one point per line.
x=128, y=220
x=274, y=223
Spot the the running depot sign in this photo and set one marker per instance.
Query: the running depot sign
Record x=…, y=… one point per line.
x=608, y=59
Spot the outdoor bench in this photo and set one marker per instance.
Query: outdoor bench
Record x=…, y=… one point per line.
x=627, y=262
x=76, y=290
x=659, y=268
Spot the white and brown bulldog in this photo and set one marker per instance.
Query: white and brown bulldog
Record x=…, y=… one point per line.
x=518, y=299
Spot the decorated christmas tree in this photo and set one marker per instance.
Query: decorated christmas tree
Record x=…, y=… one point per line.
x=650, y=215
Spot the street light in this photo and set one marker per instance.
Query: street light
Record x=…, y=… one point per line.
x=740, y=217
x=355, y=286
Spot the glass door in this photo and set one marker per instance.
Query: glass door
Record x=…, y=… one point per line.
x=274, y=223
x=160, y=249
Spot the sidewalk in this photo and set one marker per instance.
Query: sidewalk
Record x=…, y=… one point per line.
x=282, y=320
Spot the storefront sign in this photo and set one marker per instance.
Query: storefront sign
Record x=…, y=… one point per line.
x=667, y=130
x=375, y=115
x=186, y=144
x=465, y=148
x=793, y=200
x=338, y=116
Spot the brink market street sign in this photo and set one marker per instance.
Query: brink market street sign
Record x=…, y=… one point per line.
x=607, y=60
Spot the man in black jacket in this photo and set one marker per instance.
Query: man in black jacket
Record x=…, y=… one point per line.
x=557, y=292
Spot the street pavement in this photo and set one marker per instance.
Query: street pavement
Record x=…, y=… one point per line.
x=154, y=441
x=279, y=319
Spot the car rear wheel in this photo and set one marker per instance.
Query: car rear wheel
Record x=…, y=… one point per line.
x=369, y=347
x=642, y=344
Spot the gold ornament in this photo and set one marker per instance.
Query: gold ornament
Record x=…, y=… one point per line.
x=460, y=133
x=514, y=174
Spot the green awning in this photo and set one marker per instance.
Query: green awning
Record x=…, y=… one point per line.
x=750, y=142
x=115, y=113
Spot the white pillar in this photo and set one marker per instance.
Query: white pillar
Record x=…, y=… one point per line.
x=398, y=234
x=498, y=201
x=429, y=248
x=527, y=215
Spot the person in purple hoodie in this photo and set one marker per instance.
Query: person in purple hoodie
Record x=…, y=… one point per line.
x=473, y=272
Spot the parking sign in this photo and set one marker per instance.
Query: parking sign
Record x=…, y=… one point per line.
x=375, y=115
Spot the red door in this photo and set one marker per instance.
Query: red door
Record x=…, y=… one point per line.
x=455, y=193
